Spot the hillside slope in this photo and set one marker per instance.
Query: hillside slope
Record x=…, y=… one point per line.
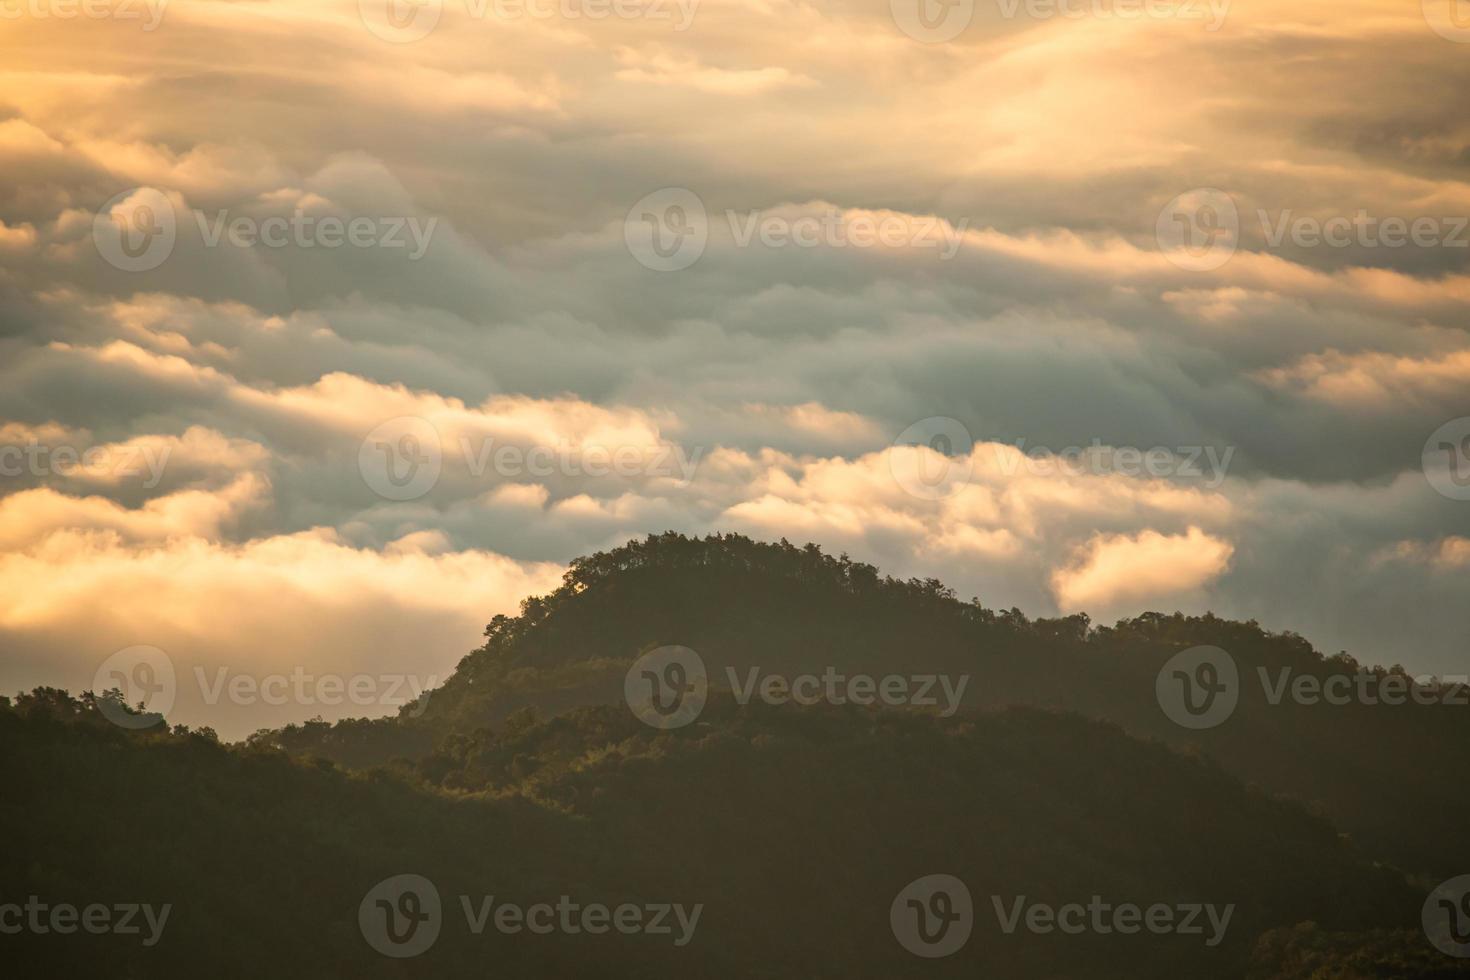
x=793, y=829
x=1381, y=772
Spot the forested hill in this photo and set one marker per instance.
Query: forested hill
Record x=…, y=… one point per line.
x=793, y=830
x=534, y=775
x=1382, y=772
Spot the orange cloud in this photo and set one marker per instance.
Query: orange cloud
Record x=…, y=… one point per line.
x=1119, y=568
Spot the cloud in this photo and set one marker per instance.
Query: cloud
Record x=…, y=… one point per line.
x=1374, y=379
x=1449, y=554
x=1149, y=567
x=273, y=605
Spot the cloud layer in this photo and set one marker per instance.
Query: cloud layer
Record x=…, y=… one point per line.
x=292, y=443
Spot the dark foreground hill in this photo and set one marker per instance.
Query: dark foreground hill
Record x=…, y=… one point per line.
x=792, y=829
x=1384, y=773
x=796, y=841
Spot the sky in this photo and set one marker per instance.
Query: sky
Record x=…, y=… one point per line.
x=329, y=330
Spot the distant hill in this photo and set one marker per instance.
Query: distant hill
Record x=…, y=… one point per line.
x=1383, y=773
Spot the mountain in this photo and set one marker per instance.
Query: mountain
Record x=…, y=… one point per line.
x=1030, y=833
x=1382, y=772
